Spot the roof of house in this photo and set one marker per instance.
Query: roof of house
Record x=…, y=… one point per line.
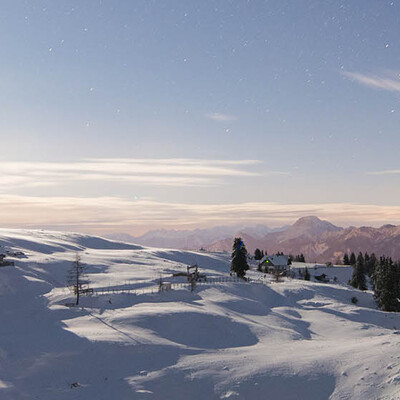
x=275, y=260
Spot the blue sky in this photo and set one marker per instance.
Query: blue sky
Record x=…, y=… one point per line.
x=147, y=114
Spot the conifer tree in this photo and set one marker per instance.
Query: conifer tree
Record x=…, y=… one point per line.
x=239, y=258
x=370, y=264
x=257, y=254
x=386, y=284
x=352, y=260
x=346, y=260
x=366, y=262
x=361, y=260
x=379, y=279
x=307, y=275
x=358, y=279
x=299, y=258
x=373, y=261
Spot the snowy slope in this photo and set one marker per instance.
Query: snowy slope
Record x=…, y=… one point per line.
x=288, y=340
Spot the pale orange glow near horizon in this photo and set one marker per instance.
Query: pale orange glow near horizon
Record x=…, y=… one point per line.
x=103, y=215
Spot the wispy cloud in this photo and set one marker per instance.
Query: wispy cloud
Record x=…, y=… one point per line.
x=385, y=172
x=113, y=214
x=221, y=117
x=390, y=81
x=162, y=172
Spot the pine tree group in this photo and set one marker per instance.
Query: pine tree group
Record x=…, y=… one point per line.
x=370, y=262
x=385, y=276
x=299, y=258
x=387, y=284
x=239, y=258
x=358, y=279
x=258, y=254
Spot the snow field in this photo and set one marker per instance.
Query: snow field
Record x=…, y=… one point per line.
x=288, y=340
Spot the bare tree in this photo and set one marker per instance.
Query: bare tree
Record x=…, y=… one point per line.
x=278, y=274
x=76, y=278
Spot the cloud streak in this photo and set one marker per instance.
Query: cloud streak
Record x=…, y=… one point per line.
x=160, y=172
x=390, y=83
x=385, y=172
x=219, y=117
x=114, y=214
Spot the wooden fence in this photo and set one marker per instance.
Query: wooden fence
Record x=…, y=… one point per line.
x=178, y=285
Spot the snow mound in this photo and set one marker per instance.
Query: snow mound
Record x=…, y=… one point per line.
x=203, y=330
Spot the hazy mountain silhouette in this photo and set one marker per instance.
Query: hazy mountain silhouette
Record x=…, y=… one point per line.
x=322, y=241
x=317, y=239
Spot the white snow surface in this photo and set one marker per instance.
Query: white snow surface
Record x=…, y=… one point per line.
x=287, y=340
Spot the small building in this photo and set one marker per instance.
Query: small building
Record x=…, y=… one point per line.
x=270, y=263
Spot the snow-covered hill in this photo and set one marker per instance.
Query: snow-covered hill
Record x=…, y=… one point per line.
x=288, y=340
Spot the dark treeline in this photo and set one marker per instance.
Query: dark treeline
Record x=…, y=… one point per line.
x=386, y=280
x=298, y=258
x=259, y=254
x=384, y=274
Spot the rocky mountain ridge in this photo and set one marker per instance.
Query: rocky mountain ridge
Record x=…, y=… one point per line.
x=322, y=241
x=318, y=240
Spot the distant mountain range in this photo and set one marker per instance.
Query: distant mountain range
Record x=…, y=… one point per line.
x=318, y=240
x=193, y=239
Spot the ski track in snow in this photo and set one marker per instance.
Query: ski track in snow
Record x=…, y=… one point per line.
x=288, y=340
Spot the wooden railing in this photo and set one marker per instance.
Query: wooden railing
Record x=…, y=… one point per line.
x=127, y=289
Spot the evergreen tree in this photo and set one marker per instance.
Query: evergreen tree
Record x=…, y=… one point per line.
x=386, y=284
x=239, y=258
x=257, y=254
x=373, y=262
x=370, y=264
x=379, y=279
x=361, y=260
x=346, y=260
x=366, y=262
x=307, y=275
x=299, y=258
x=352, y=260
x=358, y=279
